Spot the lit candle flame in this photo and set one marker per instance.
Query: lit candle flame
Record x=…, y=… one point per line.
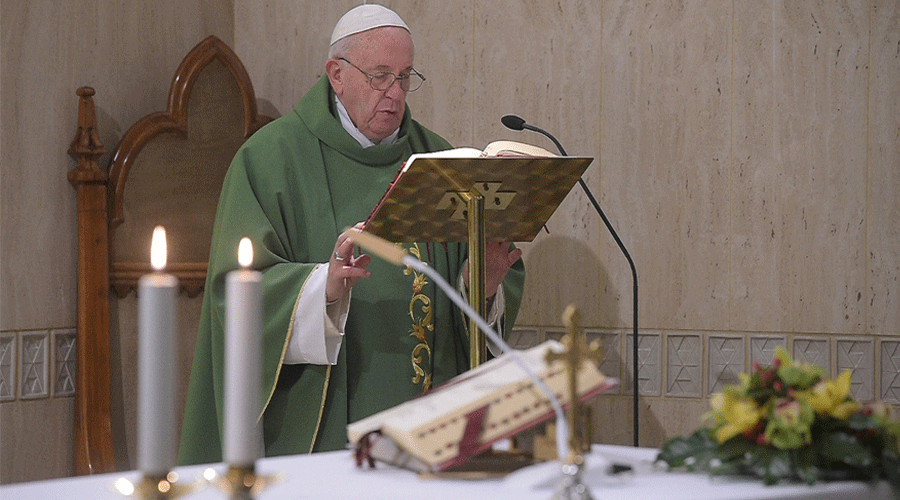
x=245, y=253
x=158, y=248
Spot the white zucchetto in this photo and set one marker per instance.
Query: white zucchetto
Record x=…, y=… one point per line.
x=364, y=18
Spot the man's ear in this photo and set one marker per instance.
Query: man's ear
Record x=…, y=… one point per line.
x=334, y=70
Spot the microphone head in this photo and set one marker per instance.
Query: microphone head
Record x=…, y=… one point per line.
x=513, y=122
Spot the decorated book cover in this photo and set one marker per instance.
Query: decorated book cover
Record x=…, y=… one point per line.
x=465, y=416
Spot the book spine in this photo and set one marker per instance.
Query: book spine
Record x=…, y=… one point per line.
x=385, y=195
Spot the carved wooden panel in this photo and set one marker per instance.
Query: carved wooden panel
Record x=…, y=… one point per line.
x=167, y=170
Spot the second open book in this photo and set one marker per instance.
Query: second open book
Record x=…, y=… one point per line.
x=465, y=416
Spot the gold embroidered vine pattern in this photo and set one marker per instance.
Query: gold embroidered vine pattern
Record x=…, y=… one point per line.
x=422, y=323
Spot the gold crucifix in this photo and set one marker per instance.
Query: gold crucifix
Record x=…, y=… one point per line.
x=575, y=352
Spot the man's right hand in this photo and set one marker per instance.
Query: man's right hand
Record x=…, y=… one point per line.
x=344, y=268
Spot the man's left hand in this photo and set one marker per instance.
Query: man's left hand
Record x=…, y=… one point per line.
x=497, y=260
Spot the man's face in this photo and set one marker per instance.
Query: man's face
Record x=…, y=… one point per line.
x=376, y=113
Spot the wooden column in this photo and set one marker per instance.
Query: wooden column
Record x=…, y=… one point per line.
x=93, y=448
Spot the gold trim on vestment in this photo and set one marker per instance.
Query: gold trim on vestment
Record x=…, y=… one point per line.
x=287, y=340
x=321, y=408
x=422, y=324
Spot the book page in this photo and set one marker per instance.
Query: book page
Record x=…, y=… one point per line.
x=463, y=390
x=447, y=153
x=457, y=396
x=513, y=148
x=463, y=417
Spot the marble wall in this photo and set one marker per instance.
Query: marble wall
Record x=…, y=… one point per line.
x=746, y=152
x=127, y=51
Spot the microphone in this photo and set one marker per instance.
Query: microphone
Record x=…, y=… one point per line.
x=514, y=122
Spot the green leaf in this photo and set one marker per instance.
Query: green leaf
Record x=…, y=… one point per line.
x=843, y=448
x=800, y=375
x=760, y=394
x=770, y=464
x=678, y=451
x=890, y=465
x=805, y=465
x=735, y=447
x=892, y=432
x=860, y=422
x=697, y=452
x=780, y=467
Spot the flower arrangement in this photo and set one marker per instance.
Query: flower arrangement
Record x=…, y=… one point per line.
x=787, y=421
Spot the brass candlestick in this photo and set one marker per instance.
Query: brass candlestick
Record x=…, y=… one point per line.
x=241, y=482
x=575, y=353
x=152, y=487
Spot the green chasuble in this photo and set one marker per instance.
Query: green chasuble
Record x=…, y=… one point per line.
x=292, y=189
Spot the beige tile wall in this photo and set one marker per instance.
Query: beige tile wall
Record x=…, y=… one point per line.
x=128, y=51
x=882, y=204
x=747, y=153
x=742, y=149
x=800, y=87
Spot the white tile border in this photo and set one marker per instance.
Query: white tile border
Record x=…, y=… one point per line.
x=8, y=367
x=684, y=365
x=63, y=356
x=875, y=359
x=858, y=355
x=815, y=350
x=611, y=346
x=649, y=364
x=726, y=359
x=555, y=333
x=889, y=387
x=762, y=348
x=523, y=338
x=33, y=365
x=611, y=364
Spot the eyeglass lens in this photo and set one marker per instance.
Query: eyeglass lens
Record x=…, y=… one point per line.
x=383, y=81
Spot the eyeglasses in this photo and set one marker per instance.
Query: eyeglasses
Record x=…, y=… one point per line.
x=383, y=80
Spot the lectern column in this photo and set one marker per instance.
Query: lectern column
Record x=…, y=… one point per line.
x=475, y=219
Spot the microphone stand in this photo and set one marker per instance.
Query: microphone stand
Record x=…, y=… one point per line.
x=514, y=124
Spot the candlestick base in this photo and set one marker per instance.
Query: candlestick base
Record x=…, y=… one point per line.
x=241, y=482
x=572, y=487
x=152, y=487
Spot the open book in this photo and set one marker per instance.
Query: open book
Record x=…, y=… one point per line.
x=465, y=416
x=499, y=149
x=522, y=186
x=503, y=149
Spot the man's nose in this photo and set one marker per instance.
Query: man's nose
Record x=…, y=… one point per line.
x=395, y=91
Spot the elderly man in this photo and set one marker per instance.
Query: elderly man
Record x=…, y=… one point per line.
x=331, y=356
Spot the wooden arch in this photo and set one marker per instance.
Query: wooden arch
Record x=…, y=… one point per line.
x=162, y=156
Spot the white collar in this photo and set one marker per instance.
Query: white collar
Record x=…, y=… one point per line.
x=354, y=132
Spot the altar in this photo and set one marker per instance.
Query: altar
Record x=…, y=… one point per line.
x=335, y=475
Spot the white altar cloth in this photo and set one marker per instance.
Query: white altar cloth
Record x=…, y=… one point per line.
x=334, y=475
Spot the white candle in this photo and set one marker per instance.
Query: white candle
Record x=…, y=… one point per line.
x=156, y=378
x=243, y=361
